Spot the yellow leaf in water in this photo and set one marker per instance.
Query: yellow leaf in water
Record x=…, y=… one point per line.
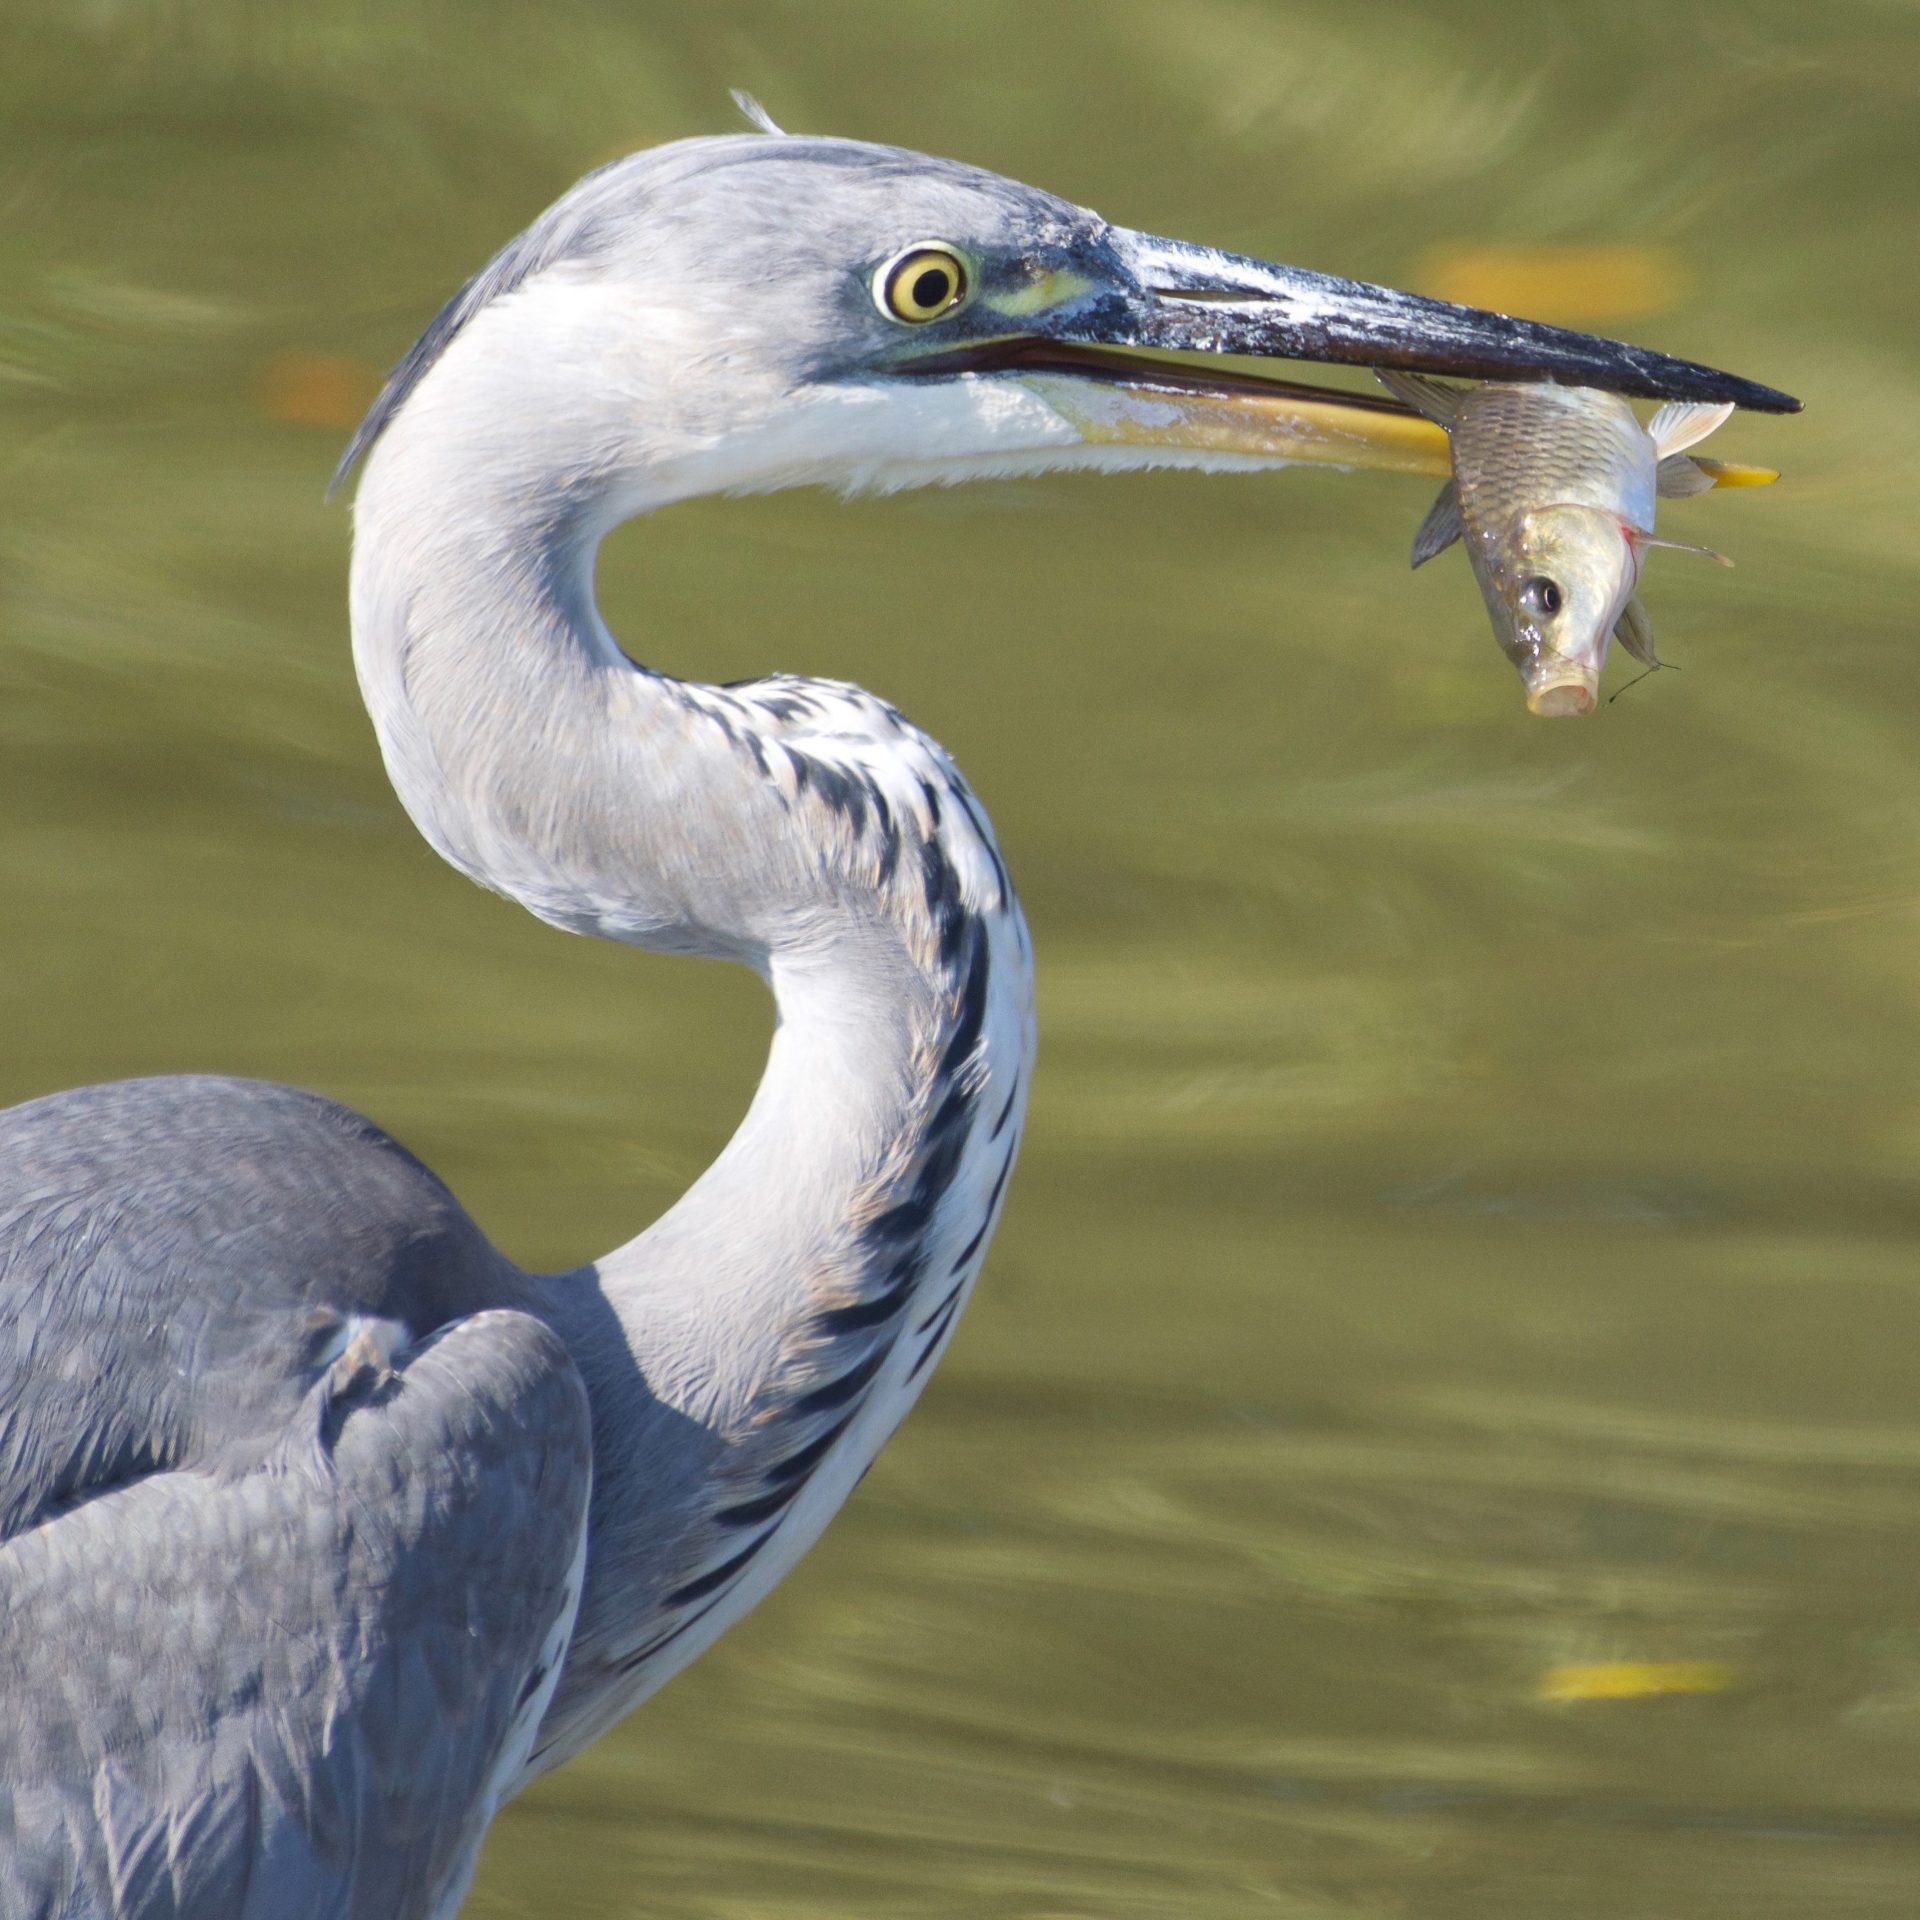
x=316, y=389
x=1565, y=285
x=1634, y=1679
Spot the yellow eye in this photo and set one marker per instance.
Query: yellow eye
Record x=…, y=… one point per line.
x=921, y=284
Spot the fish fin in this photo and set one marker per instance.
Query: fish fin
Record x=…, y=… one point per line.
x=1640, y=539
x=1680, y=423
x=1677, y=477
x=1731, y=473
x=1434, y=398
x=1441, y=528
x=1634, y=631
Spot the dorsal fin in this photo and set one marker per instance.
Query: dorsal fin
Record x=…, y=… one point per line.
x=1434, y=398
x=1679, y=476
x=1441, y=528
x=1681, y=423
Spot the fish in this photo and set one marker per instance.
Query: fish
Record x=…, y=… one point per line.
x=1552, y=496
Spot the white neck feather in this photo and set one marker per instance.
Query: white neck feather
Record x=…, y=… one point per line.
x=787, y=1308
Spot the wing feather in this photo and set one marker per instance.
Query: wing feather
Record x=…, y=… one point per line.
x=256, y=1689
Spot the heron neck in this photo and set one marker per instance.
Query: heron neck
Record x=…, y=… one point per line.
x=749, y=1352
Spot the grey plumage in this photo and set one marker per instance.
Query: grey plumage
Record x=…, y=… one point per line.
x=173, y=1450
x=116, y=1204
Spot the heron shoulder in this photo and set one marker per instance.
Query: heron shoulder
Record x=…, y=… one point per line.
x=178, y=1255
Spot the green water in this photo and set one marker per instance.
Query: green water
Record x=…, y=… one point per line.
x=1469, y=1219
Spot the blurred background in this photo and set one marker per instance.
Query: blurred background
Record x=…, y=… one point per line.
x=1439, y=1433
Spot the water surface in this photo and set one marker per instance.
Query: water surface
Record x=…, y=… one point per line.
x=1464, y=1261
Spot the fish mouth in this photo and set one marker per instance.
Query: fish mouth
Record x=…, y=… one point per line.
x=1564, y=681
x=1570, y=689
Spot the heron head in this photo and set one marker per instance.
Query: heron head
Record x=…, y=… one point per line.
x=757, y=310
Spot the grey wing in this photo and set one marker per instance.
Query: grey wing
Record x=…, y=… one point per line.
x=179, y=1256
x=294, y=1686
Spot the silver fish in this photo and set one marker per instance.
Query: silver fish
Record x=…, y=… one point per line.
x=1553, y=492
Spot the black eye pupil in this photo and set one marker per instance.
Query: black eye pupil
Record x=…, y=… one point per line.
x=931, y=287
x=1541, y=595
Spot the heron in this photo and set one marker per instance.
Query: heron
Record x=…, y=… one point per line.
x=324, y=1526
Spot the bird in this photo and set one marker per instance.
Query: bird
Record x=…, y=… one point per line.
x=324, y=1526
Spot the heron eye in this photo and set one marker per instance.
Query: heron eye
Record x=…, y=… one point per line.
x=1540, y=595
x=921, y=284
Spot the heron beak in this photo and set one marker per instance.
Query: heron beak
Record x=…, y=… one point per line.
x=1170, y=295
x=1201, y=301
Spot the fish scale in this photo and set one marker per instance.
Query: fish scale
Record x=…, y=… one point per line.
x=1517, y=447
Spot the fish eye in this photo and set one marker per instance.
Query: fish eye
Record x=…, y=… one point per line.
x=921, y=284
x=1540, y=595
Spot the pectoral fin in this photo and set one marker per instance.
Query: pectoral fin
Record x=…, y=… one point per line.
x=1677, y=477
x=1438, y=401
x=1680, y=423
x=1440, y=529
x=1634, y=631
x=1640, y=539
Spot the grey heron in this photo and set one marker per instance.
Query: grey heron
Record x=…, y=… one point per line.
x=323, y=1526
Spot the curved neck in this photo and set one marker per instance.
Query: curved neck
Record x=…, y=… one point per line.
x=750, y=1351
